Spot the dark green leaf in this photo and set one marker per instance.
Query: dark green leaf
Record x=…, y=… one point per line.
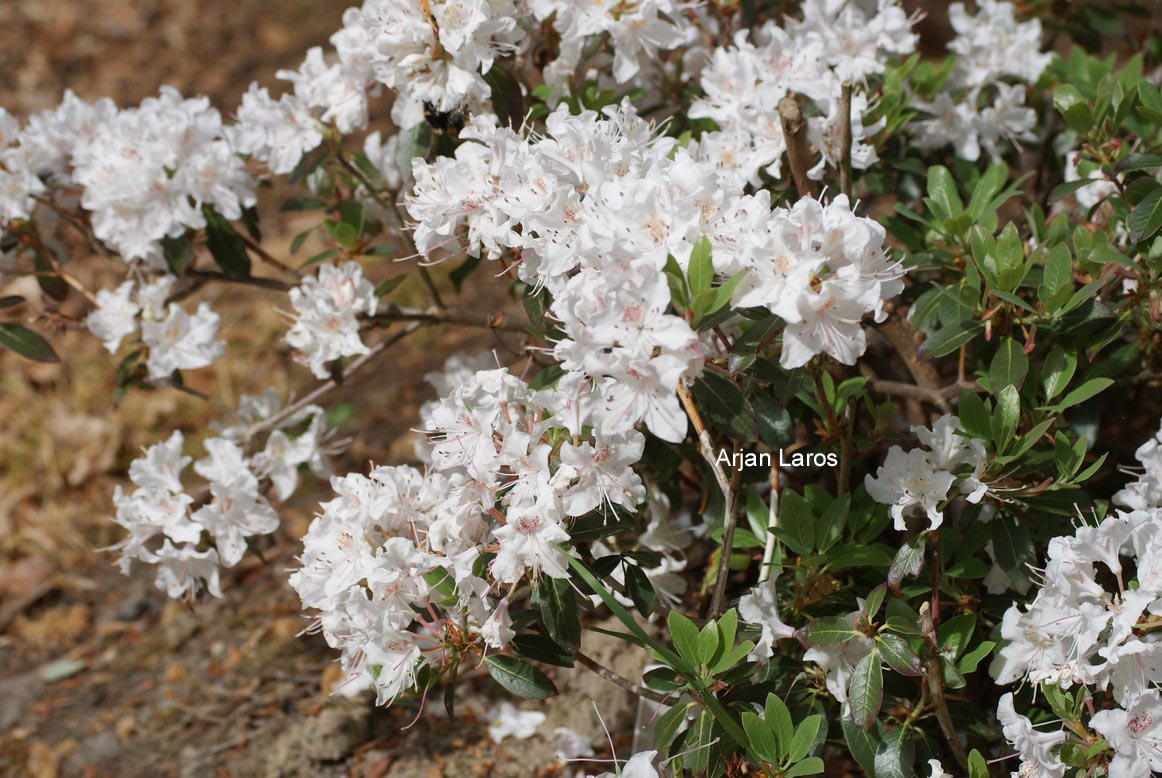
x=226, y=246
x=898, y=654
x=541, y=649
x=507, y=96
x=867, y=690
x=909, y=559
x=827, y=631
x=26, y=343
x=557, y=603
x=519, y=677
x=1147, y=216
x=47, y=277
x=640, y=590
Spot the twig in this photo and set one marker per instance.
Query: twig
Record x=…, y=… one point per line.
x=845, y=138
x=935, y=685
x=265, y=256
x=392, y=207
x=795, y=138
x=772, y=523
x=393, y=313
x=846, y=447
x=935, y=396
x=623, y=682
x=728, y=494
x=900, y=335
x=265, y=283
x=354, y=366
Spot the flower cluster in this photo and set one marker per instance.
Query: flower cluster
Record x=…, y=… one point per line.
x=979, y=107
x=1076, y=631
x=327, y=307
x=190, y=538
x=918, y=481
x=176, y=339
x=435, y=55
x=598, y=204
x=408, y=567
x=835, y=42
x=144, y=174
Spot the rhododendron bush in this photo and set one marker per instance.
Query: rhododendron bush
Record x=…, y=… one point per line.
x=737, y=233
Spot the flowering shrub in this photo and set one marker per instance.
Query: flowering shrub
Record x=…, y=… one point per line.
x=737, y=236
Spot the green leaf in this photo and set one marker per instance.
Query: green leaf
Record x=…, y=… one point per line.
x=1057, y=371
x=10, y=301
x=908, y=561
x=951, y=337
x=942, y=191
x=709, y=644
x=507, y=96
x=974, y=416
x=541, y=649
x=1013, y=548
x=826, y=631
x=1005, y=416
x=1009, y=367
x=640, y=590
x=867, y=690
x=1058, y=274
x=698, y=740
x=812, y=765
x=895, y=754
x=863, y=744
x=875, y=599
x=1147, y=216
x=1069, y=103
x=302, y=204
x=26, y=343
x=977, y=766
x=969, y=662
x=390, y=285
x=723, y=405
x=796, y=523
x=723, y=293
x=776, y=428
x=48, y=278
x=778, y=718
x=762, y=740
x=519, y=677
x=226, y=246
x=700, y=271
x=989, y=185
x=1090, y=388
x=804, y=738
x=684, y=634
x=898, y=654
x=955, y=633
x=557, y=603
x=678, y=291
x=668, y=725
x=178, y=253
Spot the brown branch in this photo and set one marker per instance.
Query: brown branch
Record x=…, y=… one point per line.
x=353, y=367
x=623, y=682
x=935, y=684
x=393, y=313
x=845, y=138
x=798, y=152
x=265, y=283
x=729, y=488
x=936, y=397
x=900, y=335
x=265, y=256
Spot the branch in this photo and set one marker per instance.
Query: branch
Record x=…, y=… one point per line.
x=900, y=335
x=772, y=523
x=845, y=138
x=265, y=256
x=798, y=153
x=353, y=367
x=265, y=283
x=728, y=488
x=937, y=397
x=623, y=682
x=393, y=313
x=935, y=684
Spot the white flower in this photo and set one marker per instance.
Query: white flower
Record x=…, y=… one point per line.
x=497, y=629
x=528, y=542
x=181, y=341
x=571, y=745
x=759, y=606
x=115, y=316
x=327, y=307
x=909, y=482
x=506, y=720
x=640, y=765
x=1035, y=748
x=1135, y=734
